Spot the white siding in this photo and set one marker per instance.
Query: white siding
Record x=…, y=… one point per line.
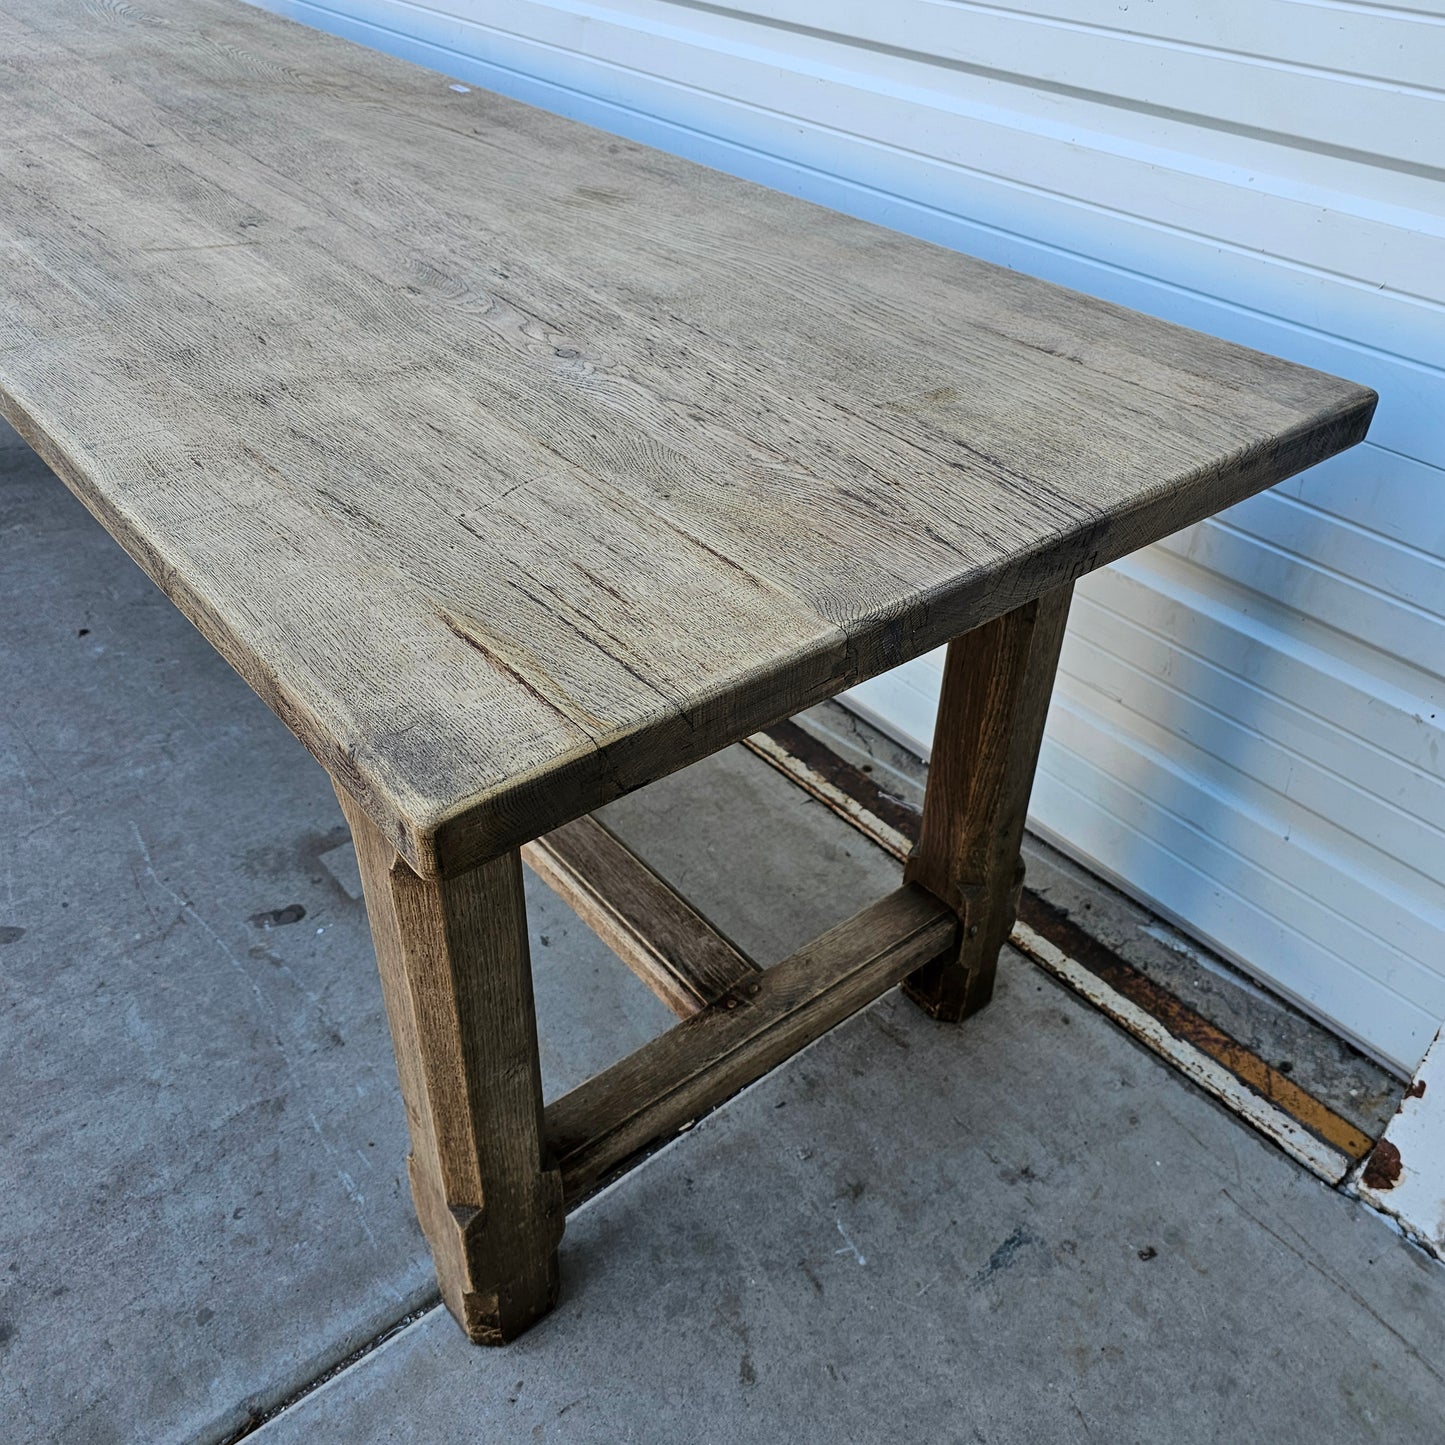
x=1247, y=730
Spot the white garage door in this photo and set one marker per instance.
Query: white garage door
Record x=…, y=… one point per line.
x=1247, y=732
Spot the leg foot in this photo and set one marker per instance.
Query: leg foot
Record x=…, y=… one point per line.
x=456, y=976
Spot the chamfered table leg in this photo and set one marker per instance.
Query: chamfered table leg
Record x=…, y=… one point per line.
x=996, y=687
x=457, y=979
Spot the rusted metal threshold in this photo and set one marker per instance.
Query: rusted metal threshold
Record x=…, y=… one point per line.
x=1250, y=1087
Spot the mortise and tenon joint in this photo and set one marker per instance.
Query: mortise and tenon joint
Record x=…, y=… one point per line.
x=492, y=1169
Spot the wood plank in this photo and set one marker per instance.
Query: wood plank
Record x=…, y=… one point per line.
x=912, y=135
x=651, y=927
x=516, y=465
x=456, y=977
x=996, y=687
x=667, y=1084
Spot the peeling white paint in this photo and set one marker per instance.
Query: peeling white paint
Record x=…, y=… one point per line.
x=1330, y=1164
x=1417, y=1134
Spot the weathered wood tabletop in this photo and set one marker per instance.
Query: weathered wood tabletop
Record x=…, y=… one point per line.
x=515, y=464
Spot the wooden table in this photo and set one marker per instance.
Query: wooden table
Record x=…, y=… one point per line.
x=515, y=466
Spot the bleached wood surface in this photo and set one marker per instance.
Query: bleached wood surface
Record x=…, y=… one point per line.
x=516, y=465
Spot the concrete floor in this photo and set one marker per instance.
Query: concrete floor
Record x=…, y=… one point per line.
x=1025, y=1229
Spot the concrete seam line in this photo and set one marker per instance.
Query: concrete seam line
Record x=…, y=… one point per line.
x=258, y=1421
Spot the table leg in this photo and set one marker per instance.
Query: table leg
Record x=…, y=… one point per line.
x=996, y=687
x=457, y=980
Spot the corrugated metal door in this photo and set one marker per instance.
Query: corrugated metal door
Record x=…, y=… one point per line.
x=1247, y=731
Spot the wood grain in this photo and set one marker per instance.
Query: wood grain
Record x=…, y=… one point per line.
x=655, y=931
x=699, y=1063
x=516, y=465
x=456, y=977
x=996, y=686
